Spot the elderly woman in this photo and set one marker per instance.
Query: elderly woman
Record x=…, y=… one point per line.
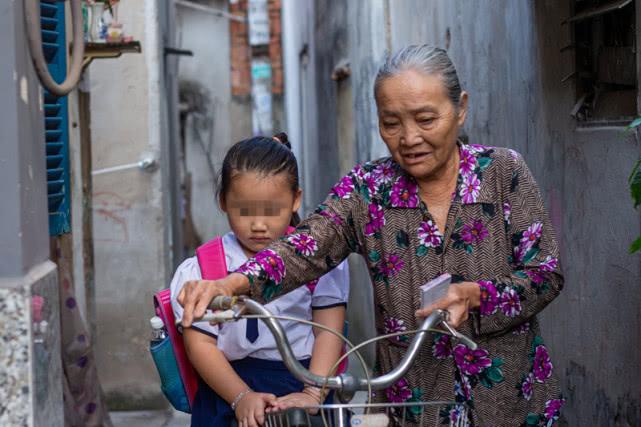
x=435, y=206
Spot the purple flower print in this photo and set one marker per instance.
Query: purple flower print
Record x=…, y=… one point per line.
x=428, y=235
x=272, y=264
x=372, y=184
x=358, y=172
x=376, y=219
x=553, y=408
x=537, y=277
x=510, y=302
x=344, y=188
x=542, y=367
x=526, y=386
x=507, y=211
x=394, y=325
x=392, y=265
x=474, y=233
x=455, y=413
x=331, y=215
x=250, y=268
x=489, y=298
x=474, y=148
x=550, y=264
x=463, y=388
x=519, y=253
x=404, y=193
x=384, y=173
x=522, y=329
x=531, y=235
x=304, y=244
x=442, y=348
x=471, y=362
x=467, y=164
x=399, y=392
x=470, y=188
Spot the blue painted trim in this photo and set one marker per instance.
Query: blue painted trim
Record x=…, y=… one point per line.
x=54, y=45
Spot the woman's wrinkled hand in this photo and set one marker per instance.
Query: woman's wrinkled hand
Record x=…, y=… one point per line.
x=295, y=400
x=459, y=300
x=196, y=295
x=250, y=411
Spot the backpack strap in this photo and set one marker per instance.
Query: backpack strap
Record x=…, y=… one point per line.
x=162, y=303
x=211, y=259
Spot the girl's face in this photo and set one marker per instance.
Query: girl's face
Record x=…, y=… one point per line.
x=418, y=122
x=259, y=209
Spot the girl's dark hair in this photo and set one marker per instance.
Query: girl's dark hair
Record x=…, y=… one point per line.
x=261, y=155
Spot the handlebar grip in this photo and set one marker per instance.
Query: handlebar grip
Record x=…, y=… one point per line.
x=219, y=316
x=222, y=303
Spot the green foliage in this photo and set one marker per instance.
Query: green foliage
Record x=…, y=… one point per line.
x=634, y=183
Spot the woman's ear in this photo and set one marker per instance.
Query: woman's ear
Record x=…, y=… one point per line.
x=462, y=108
x=298, y=199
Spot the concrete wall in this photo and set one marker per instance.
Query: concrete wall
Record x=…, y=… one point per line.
x=205, y=88
x=132, y=223
x=30, y=364
x=509, y=59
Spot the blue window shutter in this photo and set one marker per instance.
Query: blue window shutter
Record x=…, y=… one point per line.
x=52, y=23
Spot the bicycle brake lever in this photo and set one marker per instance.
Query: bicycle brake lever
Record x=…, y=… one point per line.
x=459, y=336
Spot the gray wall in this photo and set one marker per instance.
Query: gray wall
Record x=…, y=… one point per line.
x=30, y=363
x=509, y=60
x=205, y=80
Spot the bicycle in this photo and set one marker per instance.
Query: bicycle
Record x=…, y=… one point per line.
x=228, y=309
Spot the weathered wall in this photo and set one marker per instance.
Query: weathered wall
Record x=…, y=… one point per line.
x=130, y=224
x=509, y=60
x=205, y=85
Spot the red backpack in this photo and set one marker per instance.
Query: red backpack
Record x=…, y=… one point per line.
x=211, y=259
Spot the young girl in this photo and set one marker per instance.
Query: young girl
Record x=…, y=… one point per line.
x=240, y=368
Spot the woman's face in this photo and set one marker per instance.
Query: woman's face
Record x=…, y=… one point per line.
x=418, y=122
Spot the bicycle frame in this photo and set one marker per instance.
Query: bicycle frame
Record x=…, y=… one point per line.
x=346, y=382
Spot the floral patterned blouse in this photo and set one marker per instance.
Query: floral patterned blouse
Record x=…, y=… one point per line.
x=497, y=234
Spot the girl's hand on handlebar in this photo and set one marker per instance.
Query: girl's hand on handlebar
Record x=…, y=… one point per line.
x=460, y=299
x=250, y=411
x=196, y=295
x=295, y=400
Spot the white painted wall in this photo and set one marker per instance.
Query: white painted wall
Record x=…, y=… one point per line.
x=129, y=221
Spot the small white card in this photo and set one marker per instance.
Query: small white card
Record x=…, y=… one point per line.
x=435, y=289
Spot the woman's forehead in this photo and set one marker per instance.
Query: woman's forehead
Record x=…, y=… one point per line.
x=411, y=90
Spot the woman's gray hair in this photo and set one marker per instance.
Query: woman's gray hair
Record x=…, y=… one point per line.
x=425, y=59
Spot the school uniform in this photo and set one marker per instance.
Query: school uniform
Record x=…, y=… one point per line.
x=249, y=345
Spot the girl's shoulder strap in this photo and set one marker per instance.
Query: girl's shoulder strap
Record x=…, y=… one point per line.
x=211, y=259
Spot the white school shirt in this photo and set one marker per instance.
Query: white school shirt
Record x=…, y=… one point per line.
x=331, y=290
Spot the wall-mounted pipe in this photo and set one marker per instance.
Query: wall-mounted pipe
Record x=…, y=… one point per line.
x=32, y=18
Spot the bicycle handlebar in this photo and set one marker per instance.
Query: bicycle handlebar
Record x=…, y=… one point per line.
x=345, y=382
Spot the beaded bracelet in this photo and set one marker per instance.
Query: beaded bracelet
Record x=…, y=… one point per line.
x=238, y=398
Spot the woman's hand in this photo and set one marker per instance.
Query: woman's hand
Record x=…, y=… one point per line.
x=250, y=411
x=196, y=295
x=296, y=400
x=460, y=299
